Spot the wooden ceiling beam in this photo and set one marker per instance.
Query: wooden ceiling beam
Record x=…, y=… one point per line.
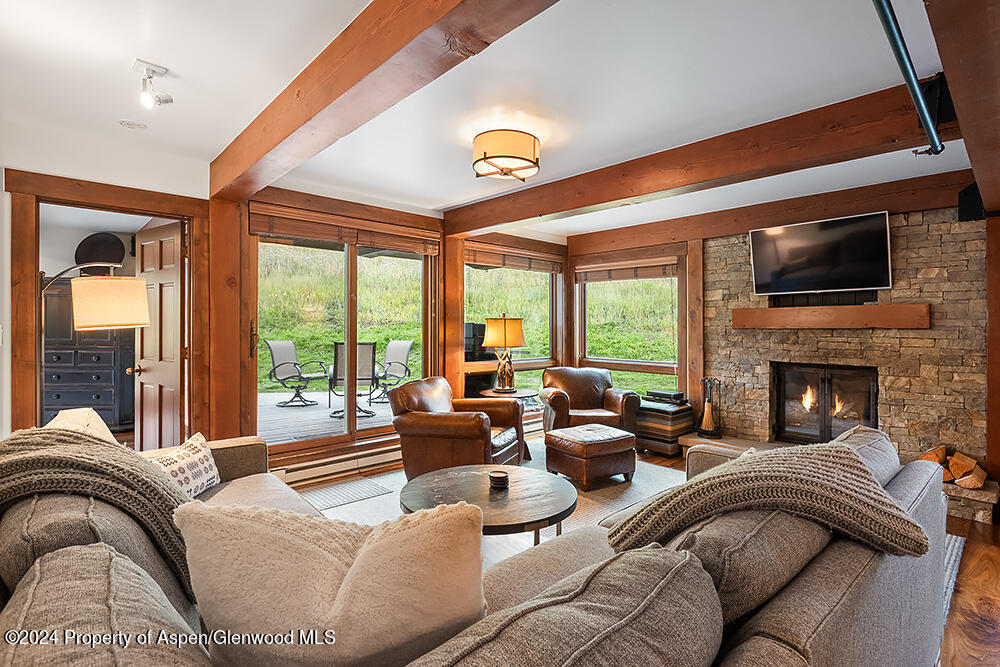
x=912, y=194
x=392, y=49
x=872, y=124
x=967, y=33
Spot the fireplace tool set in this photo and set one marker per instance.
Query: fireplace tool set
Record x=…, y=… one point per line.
x=710, y=425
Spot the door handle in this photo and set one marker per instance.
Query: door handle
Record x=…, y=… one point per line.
x=137, y=371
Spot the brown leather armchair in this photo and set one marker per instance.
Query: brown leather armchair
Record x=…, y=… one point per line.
x=438, y=431
x=575, y=396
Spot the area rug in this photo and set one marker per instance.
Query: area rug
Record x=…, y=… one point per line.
x=610, y=495
x=953, y=548
x=335, y=494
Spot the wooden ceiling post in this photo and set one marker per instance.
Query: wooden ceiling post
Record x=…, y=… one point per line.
x=872, y=124
x=967, y=33
x=391, y=50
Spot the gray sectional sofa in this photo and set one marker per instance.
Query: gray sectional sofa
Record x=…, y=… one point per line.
x=848, y=605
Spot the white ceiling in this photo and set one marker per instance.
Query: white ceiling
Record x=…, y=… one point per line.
x=601, y=82
x=66, y=63
x=54, y=216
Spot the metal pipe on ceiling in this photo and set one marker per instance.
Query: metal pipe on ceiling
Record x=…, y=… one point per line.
x=898, y=45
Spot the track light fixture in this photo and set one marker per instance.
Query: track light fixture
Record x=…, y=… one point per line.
x=149, y=97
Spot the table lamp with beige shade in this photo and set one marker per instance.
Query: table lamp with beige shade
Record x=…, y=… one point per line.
x=503, y=333
x=100, y=302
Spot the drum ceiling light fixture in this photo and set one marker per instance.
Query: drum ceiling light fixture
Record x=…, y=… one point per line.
x=510, y=154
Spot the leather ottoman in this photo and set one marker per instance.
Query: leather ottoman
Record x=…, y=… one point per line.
x=591, y=451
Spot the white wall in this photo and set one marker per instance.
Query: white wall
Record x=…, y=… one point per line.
x=73, y=155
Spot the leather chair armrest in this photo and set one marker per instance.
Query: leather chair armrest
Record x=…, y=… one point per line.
x=554, y=398
x=625, y=402
x=454, y=425
x=505, y=412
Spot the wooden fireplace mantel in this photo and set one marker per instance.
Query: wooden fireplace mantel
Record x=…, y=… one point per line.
x=874, y=316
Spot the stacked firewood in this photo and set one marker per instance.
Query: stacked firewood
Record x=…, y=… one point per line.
x=958, y=468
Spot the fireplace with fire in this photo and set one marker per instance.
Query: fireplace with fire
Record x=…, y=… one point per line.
x=817, y=402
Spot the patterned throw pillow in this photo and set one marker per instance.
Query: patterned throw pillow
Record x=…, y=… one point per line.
x=191, y=465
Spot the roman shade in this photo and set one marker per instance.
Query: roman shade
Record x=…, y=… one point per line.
x=652, y=268
x=488, y=254
x=285, y=221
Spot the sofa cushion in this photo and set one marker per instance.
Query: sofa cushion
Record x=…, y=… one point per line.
x=875, y=450
x=752, y=554
x=649, y=606
x=521, y=577
x=190, y=465
x=263, y=489
x=41, y=524
x=85, y=420
x=93, y=589
x=390, y=592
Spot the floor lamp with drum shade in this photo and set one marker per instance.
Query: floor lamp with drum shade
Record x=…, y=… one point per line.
x=99, y=302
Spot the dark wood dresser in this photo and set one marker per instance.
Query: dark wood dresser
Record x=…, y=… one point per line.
x=85, y=369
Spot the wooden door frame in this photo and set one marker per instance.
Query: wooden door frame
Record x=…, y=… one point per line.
x=28, y=190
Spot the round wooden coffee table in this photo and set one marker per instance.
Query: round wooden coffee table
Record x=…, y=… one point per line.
x=519, y=393
x=532, y=501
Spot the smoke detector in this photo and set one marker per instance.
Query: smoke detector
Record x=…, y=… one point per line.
x=132, y=124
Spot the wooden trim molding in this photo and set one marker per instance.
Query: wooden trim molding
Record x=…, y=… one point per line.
x=453, y=319
x=89, y=194
x=913, y=194
x=347, y=209
x=392, y=49
x=660, y=368
x=874, y=316
x=695, y=322
x=24, y=318
x=993, y=347
x=224, y=318
x=28, y=190
x=260, y=212
x=872, y=124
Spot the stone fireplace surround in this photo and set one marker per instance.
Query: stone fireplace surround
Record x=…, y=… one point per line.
x=932, y=382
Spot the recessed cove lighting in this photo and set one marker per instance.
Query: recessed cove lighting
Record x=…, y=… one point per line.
x=132, y=124
x=149, y=97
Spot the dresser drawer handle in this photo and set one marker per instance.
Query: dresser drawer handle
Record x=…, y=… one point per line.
x=97, y=397
x=56, y=357
x=95, y=377
x=94, y=357
x=55, y=397
x=56, y=376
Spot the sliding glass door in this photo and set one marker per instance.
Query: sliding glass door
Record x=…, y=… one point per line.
x=390, y=325
x=339, y=325
x=302, y=293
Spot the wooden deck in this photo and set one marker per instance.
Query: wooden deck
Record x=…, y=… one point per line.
x=277, y=425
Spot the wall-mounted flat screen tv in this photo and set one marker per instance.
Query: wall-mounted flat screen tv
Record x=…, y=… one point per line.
x=824, y=256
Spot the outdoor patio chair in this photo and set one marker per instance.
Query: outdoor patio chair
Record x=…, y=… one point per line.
x=290, y=374
x=395, y=370
x=367, y=376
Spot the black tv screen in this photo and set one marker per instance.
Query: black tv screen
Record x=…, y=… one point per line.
x=825, y=256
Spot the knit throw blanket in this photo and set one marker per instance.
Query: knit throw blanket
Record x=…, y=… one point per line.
x=51, y=460
x=826, y=483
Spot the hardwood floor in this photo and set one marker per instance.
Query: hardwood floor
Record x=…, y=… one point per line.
x=972, y=634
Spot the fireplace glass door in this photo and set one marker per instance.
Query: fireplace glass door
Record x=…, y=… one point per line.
x=800, y=409
x=816, y=403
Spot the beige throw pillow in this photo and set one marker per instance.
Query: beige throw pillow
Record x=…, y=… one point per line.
x=85, y=420
x=191, y=465
x=389, y=593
